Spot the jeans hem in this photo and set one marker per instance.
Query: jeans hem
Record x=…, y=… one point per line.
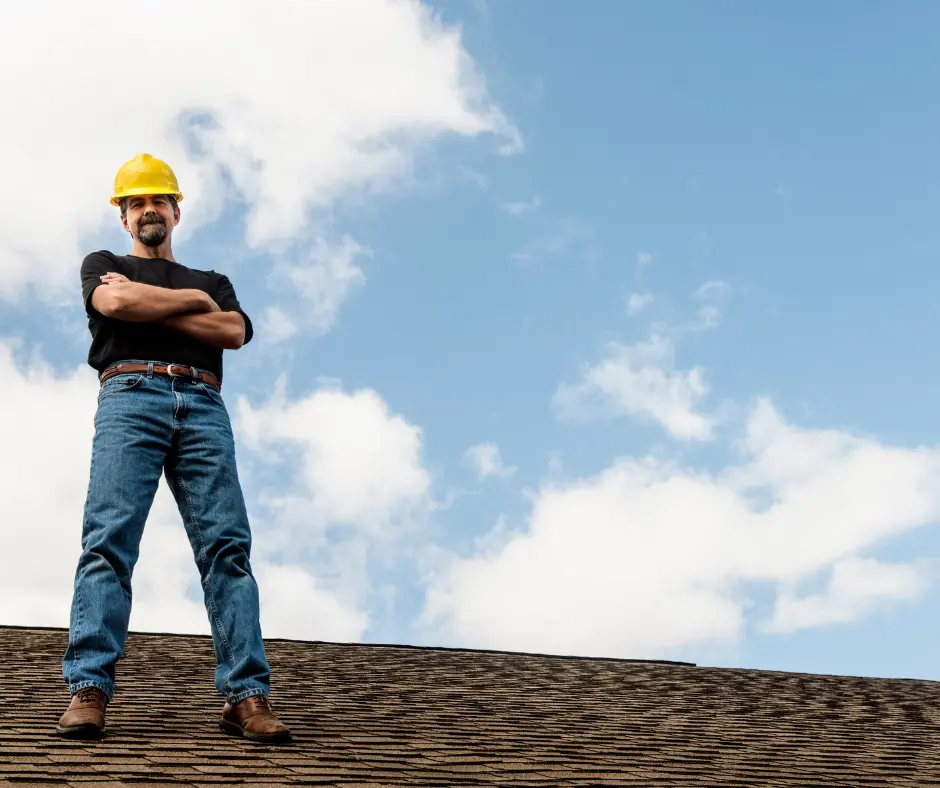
x=232, y=700
x=108, y=691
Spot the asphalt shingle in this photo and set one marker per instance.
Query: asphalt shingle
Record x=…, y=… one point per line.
x=389, y=715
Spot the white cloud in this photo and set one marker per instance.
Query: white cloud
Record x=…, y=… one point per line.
x=294, y=605
x=857, y=587
x=651, y=559
x=351, y=461
x=276, y=325
x=43, y=479
x=43, y=503
x=487, y=462
x=348, y=495
x=640, y=380
x=637, y=302
x=521, y=207
x=317, y=287
x=283, y=107
x=493, y=541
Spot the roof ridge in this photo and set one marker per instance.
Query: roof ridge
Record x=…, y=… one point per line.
x=453, y=649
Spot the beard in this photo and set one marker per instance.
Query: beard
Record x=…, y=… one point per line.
x=151, y=231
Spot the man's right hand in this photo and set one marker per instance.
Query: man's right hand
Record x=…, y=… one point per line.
x=211, y=305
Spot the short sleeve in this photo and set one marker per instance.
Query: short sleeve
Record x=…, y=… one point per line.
x=93, y=266
x=228, y=302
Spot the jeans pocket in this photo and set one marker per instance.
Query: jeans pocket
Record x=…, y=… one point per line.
x=119, y=383
x=211, y=393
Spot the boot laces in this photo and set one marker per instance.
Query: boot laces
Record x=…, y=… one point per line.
x=87, y=695
x=263, y=702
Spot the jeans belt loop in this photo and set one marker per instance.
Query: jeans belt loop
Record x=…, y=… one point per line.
x=149, y=369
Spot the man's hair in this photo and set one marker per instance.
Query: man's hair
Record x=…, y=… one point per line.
x=170, y=197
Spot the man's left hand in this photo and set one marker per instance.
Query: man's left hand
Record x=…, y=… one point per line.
x=111, y=277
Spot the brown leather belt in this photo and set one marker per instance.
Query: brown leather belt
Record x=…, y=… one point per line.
x=173, y=370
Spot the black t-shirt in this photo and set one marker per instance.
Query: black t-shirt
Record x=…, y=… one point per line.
x=118, y=340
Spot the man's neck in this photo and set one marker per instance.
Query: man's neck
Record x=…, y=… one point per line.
x=163, y=251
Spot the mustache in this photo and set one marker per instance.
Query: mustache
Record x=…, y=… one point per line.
x=151, y=219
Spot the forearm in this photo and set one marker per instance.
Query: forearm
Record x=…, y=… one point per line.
x=225, y=330
x=140, y=303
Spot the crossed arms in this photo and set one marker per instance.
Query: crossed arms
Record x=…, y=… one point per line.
x=192, y=312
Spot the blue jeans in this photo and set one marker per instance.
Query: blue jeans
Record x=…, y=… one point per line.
x=146, y=425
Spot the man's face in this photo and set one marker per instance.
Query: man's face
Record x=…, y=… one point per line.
x=150, y=218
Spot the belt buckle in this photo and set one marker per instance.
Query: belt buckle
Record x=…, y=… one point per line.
x=169, y=371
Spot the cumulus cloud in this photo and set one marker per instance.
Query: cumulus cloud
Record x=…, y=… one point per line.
x=344, y=496
x=315, y=285
x=42, y=499
x=349, y=460
x=648, y=558
x=279, y=108
x=276, y=325
x=294, y=604
x=857, y=587
x=640, y=380
x=487, y=462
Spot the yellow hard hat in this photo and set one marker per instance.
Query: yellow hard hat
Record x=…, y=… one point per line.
x=144, y=174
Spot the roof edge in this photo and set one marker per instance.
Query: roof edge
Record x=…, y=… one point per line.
x=452, y=649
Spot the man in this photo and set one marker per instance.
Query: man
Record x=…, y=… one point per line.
x=158, y=332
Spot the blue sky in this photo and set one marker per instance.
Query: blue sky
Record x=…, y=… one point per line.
x=784, y=153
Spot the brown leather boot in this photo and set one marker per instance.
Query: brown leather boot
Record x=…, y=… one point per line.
x=84, y=718
x=254, y=719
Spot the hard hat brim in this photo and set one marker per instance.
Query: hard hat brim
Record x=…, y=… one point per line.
x=116, y=199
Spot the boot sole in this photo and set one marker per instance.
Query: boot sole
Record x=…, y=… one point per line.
x=268, y=738
x=80, y=732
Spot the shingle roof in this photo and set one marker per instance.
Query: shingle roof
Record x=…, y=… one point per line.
x=367, y=715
